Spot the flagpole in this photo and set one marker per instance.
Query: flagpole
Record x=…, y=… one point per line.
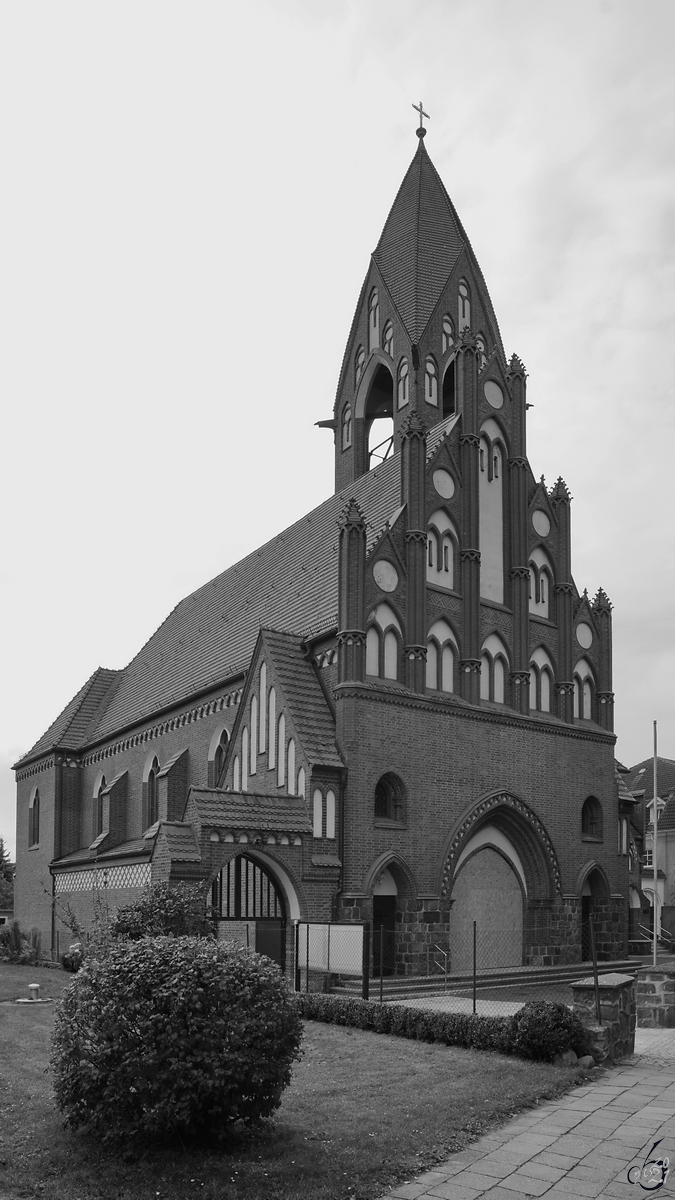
x=655, y=843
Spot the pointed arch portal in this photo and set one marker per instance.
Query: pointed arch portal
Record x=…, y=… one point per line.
x=251, y=908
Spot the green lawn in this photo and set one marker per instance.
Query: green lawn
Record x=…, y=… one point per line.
x=363, y=1111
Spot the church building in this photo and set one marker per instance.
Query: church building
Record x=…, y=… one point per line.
x=399, y=710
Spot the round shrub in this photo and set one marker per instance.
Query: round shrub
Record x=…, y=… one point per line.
x=542, y=1029
x=167, y=1036
x=164, y=909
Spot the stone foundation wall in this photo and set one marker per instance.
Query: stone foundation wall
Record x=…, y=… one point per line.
x=656, y=998
x=614, y=1037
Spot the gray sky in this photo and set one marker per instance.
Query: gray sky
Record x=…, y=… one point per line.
x=191, y=192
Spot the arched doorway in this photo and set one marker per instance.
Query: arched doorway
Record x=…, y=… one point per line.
x=487, y=890
x=379, y=417
x=594, y=892
x=385, y=893
x=251, y=907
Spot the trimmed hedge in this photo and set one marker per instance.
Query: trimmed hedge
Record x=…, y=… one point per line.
x=540, y=1030
x=450, y=1029
x=173, y=1035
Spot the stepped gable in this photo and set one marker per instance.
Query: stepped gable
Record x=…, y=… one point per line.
x=290, y=582
x=420, y=245
x=246, y=811
x=304, y=697
x=69, y=730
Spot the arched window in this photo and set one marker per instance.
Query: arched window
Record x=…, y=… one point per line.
x=373, y=320
x=624, y=835
x=272, y=726
x=153, y=797
x=448, y=334
x=402, y=387
x=347, y=427
x=219, y=759
x=262, y=742
x=494, y=669
x=491, y=515
x=388, y=339
x=34, y=819
x=290, y=773
x=541, y=680
x=281, y=756
x=480, y=349
x=359, y=364
x=254, y=734
x=236, y=774
x=330, y=815
x=379, y=416
x=244, y=759
x=541, y=579
x=383, y=637
x=463, y=306
x=591, y=819
x=98, y=806
x=317, y=814
x=441, y=546
x=431, y=382
x=301, y=782
x=441, y=657
x=449, y=402
x=584, y=690
x=390, y=799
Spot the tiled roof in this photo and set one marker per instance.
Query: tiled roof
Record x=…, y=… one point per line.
x=641, y=777
x=624, y=793
x=667, y=818
x=290, y=582
x=420, y=244
x=181, y=842
x=135, y=848
x=305, y=698
x=247, y=810
x=438, y=433
x=70, y=728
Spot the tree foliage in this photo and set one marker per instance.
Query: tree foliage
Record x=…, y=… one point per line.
x=173, y=1035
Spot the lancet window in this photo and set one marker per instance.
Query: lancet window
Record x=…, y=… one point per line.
x=441, y=658
x=383, y=642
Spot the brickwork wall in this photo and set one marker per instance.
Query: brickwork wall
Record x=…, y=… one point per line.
x=33, y=885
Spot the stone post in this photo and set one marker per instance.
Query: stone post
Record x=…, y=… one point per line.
x=615, y=1037
x=656, y=997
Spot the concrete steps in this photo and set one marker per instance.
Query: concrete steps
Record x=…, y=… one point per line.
x=402, y=987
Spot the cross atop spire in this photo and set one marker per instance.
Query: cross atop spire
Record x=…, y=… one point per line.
x=421, y=131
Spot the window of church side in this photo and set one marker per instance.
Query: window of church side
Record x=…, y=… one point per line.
x=317, y=814
x=98, y=807
x=272, y=726
x=388, y=339
x=480, y=349
x=390, y=655
x=281, y=756
x=584, y=690
x=330, y=815
x=441, y=542
x=372, y=651
x=374, y=321
x=441, y=652
x=624, y=836
x=244, y=759
x=463, y=306
x=262, y=733
x=431, y=382
x=236, y=774
x=254, y=734
x=359, y=364
x=219, y=758
x=290, y=773
x=301, y=782
x=153, y=799
x=448, y=334
x=541, y=680
x=389, y=799
x=402, y=391
x=494, y=667
x=347, y=427
x=34, y=819
x=591, y=819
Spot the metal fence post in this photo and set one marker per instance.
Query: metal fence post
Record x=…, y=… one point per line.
x=297, y=956
x=365, y=967
x=307, y=962
x=474, y=968
x=381, y=960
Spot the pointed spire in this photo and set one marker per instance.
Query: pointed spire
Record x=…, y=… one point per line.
x=601, y=601
x=516, y=367
x=560, y=490
x=351, y=515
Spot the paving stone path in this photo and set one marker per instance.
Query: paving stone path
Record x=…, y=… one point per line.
x=579, y=1145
